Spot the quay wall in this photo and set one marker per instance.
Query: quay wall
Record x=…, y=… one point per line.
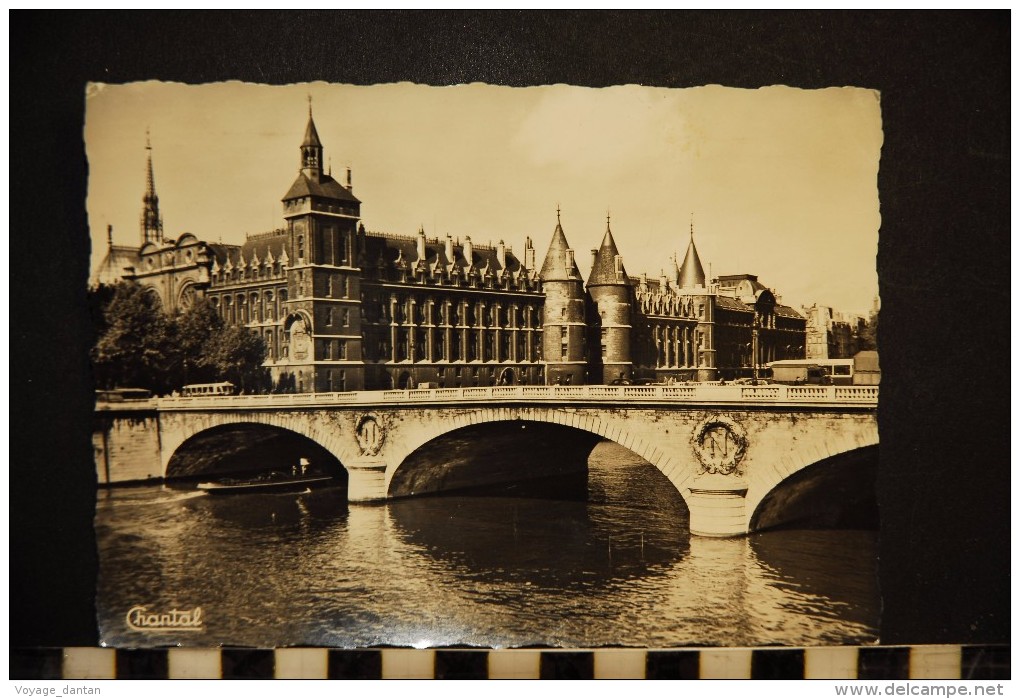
x=125, y=442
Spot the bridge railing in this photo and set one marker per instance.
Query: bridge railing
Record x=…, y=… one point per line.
x=683, y=393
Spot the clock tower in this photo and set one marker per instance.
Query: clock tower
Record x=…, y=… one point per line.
x=324, y=296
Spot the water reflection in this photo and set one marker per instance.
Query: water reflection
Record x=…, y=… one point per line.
x=535, y=542
x=619, y=568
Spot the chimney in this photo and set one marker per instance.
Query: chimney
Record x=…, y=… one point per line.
x=644, y=280
x=420, y=244
x=594, y=254
x=109, y=235
x=663, y=283
x=501, y=254
x=468, y=251
x=350, y=186
x=619, y=266
x=449, y=249
x=529, y=254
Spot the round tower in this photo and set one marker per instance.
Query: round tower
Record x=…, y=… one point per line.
x=563, y=313
x=610, y=292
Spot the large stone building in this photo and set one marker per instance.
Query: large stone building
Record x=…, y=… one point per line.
x=831, y=334
x=343, y=308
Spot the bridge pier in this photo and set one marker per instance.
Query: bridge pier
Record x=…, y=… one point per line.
x=717, y=507
x=366, y=480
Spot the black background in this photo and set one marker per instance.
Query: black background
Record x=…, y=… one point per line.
x=943, y=257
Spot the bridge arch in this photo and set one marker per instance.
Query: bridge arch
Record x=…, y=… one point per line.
x=177, y=429
x=249, y=449
x=679, y=473
x=836, y=492
x=765, y=482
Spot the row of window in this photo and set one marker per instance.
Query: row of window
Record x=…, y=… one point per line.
x=250, y=308
x=455, y=346
x=341, y=316
x=331, y=247
x=670, y=306
x=249, y=273
x=423, y=274
x=328, y=286
x=278, y=347
x=405, y=309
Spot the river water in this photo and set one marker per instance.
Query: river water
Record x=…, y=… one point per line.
x=617, y=568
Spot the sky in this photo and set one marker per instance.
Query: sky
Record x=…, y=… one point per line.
x=778, y=182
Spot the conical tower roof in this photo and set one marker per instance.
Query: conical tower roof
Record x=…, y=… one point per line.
x=559, y=262
x=603, y=268
x=692, y=274
x=311, y=135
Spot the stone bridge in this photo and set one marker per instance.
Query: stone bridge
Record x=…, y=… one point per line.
x=725, y=448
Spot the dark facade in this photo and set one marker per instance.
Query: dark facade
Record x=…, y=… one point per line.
x=341, y=308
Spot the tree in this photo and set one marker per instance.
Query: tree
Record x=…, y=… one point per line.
x=140, y=347
x=98, y=300
x=136, y=341
x=867, y=336
x=194, y=330
x=237, y=355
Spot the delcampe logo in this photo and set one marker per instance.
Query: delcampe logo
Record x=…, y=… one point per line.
x=139, y=618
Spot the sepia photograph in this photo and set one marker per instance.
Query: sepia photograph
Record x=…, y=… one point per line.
x=417, y=366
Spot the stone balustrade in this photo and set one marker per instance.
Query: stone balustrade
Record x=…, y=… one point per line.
x=724, y=394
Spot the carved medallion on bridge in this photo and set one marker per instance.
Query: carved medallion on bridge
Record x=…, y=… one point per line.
x=370, y=435
x=720, y=444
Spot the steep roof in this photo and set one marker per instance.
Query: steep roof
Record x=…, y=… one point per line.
x=311, y=135
x=402, y=250
x=263, y=245
x=554, y=268
x=732, y=304
x=692, y=274
x=221, y=252
x=787, y=312
x=325, y=187
x=111, y=269
x=603, y=268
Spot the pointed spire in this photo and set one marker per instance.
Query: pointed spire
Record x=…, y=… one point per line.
x=311, y=149
x=152, y=222
x=311, y=135
x=559, y=262
x=150, y=180
x=607, y=267
x=691, y=274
